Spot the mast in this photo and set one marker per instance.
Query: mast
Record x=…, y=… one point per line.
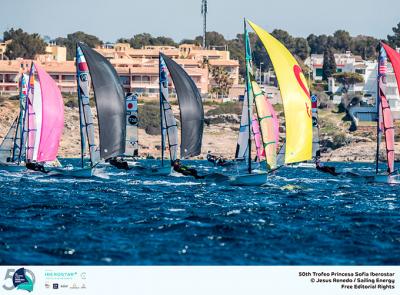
x=81, y=112
x=378, y=129
x=204, y=10
x=248, y=94
x=161, y=112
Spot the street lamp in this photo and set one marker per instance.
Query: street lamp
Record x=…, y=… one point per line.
x=261, y=63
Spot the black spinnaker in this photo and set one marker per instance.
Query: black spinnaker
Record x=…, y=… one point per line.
x=191, y=109
x=110, y=103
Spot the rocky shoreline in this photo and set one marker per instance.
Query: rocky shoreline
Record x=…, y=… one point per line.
x=220, y=135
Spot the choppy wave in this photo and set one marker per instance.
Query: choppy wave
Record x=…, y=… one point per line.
x=300, y=217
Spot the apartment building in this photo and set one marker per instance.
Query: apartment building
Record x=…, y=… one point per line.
x=137, y=68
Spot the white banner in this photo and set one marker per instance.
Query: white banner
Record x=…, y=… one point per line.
x=187, y=280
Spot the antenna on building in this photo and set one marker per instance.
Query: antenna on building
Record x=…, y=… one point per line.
x=204, y=11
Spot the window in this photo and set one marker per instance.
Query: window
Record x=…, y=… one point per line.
x=68, y=77
x=124, y=80
x=360, y=71
x=339, y=70
x=318, y=72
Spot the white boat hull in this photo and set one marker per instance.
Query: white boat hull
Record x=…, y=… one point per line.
x=74, y=172
x=254, y=179
x=390, y=179
x=12, y=167
x=152, y=170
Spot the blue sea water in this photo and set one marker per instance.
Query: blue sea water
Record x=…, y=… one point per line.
x=301, y=217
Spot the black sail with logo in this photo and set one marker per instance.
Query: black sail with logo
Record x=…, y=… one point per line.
x=191, y=109
x=110, y=103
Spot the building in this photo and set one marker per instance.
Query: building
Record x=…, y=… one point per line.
x=3, y=47
x=137, y=68
x=347, y=62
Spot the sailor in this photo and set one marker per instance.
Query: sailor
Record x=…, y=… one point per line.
x=217, y=160
x=36, y=167
x=326, y=169
x=119, y=163
x=180, y=168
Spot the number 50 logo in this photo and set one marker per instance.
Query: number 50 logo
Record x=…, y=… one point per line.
x=20, y=279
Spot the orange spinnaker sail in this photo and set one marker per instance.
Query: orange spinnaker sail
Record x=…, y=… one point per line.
x=295, y=96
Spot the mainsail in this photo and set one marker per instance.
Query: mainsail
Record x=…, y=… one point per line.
x=132, y=122
x=85, y=112
x=315, y=130
x=110, y=103
x=242, y=147
x=169, y=128
x=191, y=109
x=295, y=97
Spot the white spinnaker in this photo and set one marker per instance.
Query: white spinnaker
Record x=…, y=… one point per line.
x=37, y=107
x=242, y=147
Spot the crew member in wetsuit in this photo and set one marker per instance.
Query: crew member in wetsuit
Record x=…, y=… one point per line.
x=217, y=161
x=178, y=167
x=326, y=169
x=119, y=163
x=36, y=167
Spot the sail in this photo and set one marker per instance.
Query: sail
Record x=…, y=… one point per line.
x=295, y=96
x=52, y=116
x=19, y=143
x=132, y=122
x=34, y=101
x=315, y=130
x=257, y=138
x=385, y=114
x=168, y=121
x=242, y=146
x=85, y=112
x=267, y=126
x=110, y=103
x=394, y=58
x=191, y=109
x=7, y=145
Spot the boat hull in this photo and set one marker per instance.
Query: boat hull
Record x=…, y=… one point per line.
x=390, y=179
x=152, y=170
x=254, y=179
x=74, y=172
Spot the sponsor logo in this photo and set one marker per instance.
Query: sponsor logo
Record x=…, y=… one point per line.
x=55, y=286
x=20, y=279
x=133, y=120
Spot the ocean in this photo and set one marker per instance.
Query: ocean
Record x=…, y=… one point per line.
x=300, y=217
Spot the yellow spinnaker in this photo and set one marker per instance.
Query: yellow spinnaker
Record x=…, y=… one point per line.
x=295, y=97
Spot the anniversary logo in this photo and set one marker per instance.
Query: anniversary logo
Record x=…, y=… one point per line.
x=21, y=279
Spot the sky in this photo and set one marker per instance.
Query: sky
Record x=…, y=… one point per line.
x=179, y=19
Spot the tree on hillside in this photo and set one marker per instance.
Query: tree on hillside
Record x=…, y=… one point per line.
x=72, y=39
x=348, y=79
x=145, y=39
x=301, y=48
x=212, y=39
x=329, y=65
x=394, y=40
x=342, y=40
x=365, y=46
x=318, y=44
x=222, y=80
x=23, y=44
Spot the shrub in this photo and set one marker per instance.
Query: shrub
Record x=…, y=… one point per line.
x=226, y=108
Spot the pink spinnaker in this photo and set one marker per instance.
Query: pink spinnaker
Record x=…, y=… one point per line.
x=52, y=117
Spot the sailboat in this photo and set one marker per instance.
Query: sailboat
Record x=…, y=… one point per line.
x=296, y=99
x=95, y=70
x=44, y=120
x=385, y=119
x=263, y=125
x=12, y=148
x=191, y=113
